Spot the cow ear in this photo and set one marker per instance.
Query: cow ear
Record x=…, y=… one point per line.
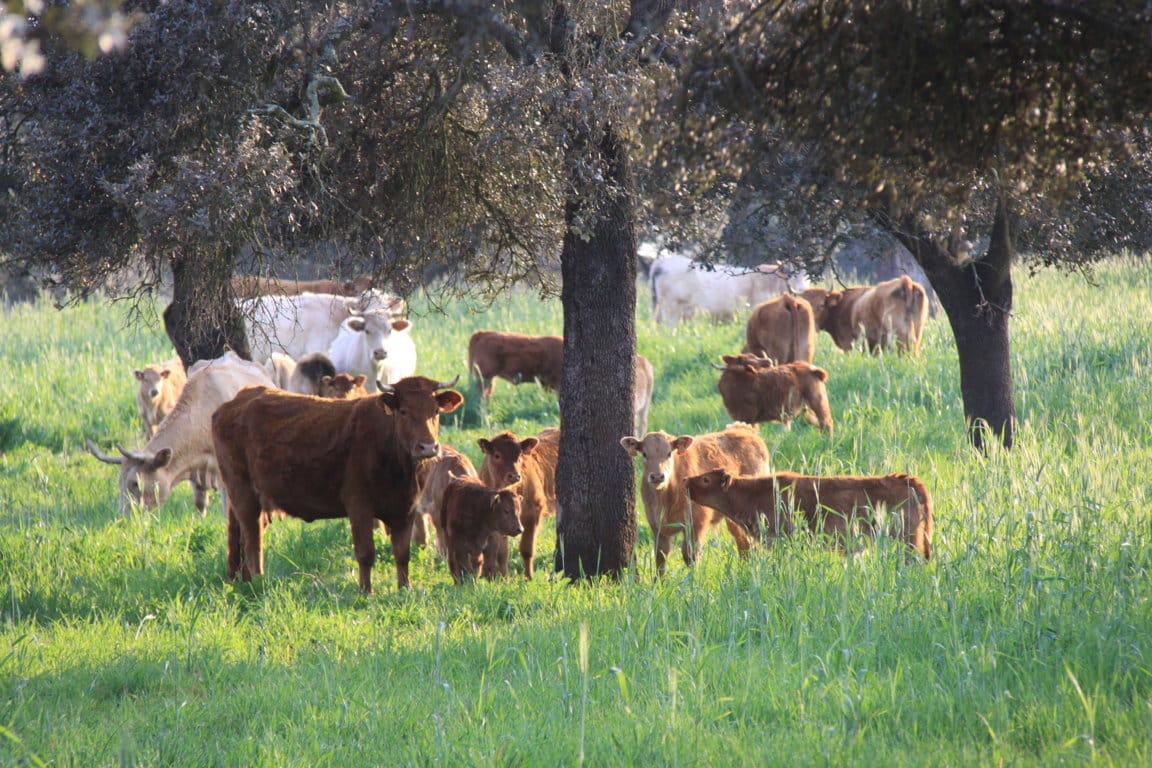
x=355, y=324
x=485, y=445
x=681, y=443
x=820, y=373
x=725, y=480
x=399, y=325
x=165, y=373
x=749, y=369
x=389, y=402
x=162, y=459
x=631, y=444
x=730, y=359
x=139, y=375
x=325, y=380
x=449, y=400
x=528, y=444
x=359, y=380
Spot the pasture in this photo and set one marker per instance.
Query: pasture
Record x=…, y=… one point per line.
x=1026, y=641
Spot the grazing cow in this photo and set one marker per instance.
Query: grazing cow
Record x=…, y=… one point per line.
x=783, y=329
x=343, y=386
x=755, y=391
x=896, y=309
x=645, y=379
x=840, y=506
x=160, y=388
x=375, y=345
x=251, y=286
x=668, y=460
x=301, y=376
x=309, y=322
x=527, y=466
x=515, y=357
x=682, y=287
x=181, y=449
x=473, y=514
x=319, y=459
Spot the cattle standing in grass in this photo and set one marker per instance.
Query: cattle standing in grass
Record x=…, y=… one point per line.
x=251, y=286
x=319, y=459
x=301, y=376
x=375, y=345
x=310, y=322
x=473, y=513
x=159, y=389
x=645, y=379
x=755, y=391
x=783, y=329
x=527, y=466
x=181, y=449
x=892, y=311
x=682, y=288
x=668, y=460
x=433, y=480
x=515, y=357
x=840, y=507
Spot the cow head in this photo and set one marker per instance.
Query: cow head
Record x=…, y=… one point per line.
x=144, y=475
x=814, y=394
x=504, y=454
x=375, y=329
x=708, y=485
x=151, y=378
x=415, y=404
x=659, y=450
x=506, y=511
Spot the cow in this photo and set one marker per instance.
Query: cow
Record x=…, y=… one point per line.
x=318, y=459
x=181, y=449
x=473, y=514
x=783, y=329
x=514, y=357
x=309, y=322
x=668, y=460
x=375, y=345
x=343, y=386
x=251, y=286
x=527, y=466
x=433, y=480
x=682, y=287
x=301, y=376
x=892, y=310
x=754, y=391
x=643, y=382
x=159, y=389
x=840, y=507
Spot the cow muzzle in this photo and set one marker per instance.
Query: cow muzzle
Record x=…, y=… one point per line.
x=512, y=477
x=657, y=478
x=425, y=450
x=379, y=354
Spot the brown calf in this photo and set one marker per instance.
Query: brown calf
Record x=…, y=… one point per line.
x=343, y=386
x=783, y=329
x=755, y=393
x=515, y=357
x=160, y=388
x=839, y=506
x=527, y=466
x=668, y=460
x=473, y=514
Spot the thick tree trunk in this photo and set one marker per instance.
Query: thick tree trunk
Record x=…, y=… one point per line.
x=596, y=528
x=202, y=321
x=977, y=297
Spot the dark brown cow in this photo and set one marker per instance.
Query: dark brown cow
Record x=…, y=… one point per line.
x=527, y=466
x=755, y=392
x=839, y=506
x=343, y=386
x=316, y=459
x=890, y=312
x=515, y=357
x=783, y=329
x=473, y=515
x=251, y=286
x=833, y=313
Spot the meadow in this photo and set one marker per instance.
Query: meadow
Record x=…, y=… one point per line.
x=1027, y=640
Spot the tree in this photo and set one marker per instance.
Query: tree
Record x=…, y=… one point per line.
x=930, y=116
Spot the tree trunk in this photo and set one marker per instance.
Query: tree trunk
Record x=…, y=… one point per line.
x=977, y=297
x=596, y=525
x=202, y=321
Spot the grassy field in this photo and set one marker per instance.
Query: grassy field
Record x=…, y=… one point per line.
x=1026, y=641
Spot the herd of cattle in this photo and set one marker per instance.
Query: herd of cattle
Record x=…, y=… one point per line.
x=333, y=422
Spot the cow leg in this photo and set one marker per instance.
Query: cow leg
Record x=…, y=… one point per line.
x=364, y=546
x=235, y=544
x=528, y=544
x=420, y=530
x=495, y=557
x=663, y=547
x=401, y=550
x=741, y=537
x=245, y=533
x=200, y=493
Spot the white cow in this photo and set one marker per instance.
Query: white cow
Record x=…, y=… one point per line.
x=682, y=287
x=182, y=448
x=308, y=322
x=374, y=345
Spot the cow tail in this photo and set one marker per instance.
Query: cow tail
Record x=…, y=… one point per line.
x=653, y=274
x=797, y=334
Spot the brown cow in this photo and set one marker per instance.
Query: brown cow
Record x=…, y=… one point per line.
x=343, y=386
x=668, y=460
x=529, y=467
x=318, y=459
x=892, y=312
x=755, y=392
x=473, y=515
x=160, y=388
x=515, y=357
x=251, y=286
x=643, y=382
x=783, y=329
x=433, y=480
x=840, y=506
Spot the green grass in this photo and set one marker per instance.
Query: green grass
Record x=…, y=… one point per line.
x=1026, y=641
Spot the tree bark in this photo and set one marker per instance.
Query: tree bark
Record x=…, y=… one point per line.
x=977, y=297
x=596, y=525
x=202, y=321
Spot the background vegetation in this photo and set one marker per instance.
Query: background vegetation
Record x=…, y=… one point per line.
x=1025, y=641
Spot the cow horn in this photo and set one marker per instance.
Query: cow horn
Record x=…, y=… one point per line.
x=719, y=367
x=449, y=384
x=133, y=455
x=92, y=449
x=384, y=387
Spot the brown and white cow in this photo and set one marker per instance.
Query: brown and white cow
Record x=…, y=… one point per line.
x=343, y=386
x=251, y=286
x=840, y=507
x=755, y=391
x=527, y=466
x=668, y=460
x=159, y=389
x=319, y=459
x=515, y=357
x=181, y=449
x=783, y=329
x=473, y=515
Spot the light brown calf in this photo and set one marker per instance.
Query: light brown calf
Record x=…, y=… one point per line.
x=754, y=392
x=160, y=388
x=783, y=329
